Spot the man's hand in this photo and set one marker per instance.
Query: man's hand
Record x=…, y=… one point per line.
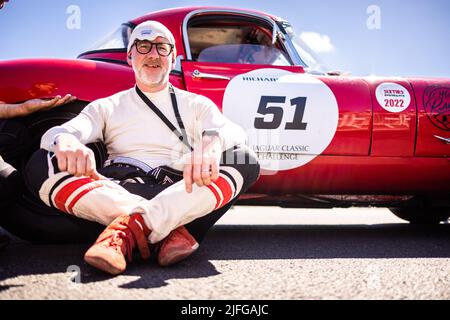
x=202, y=167
x=34, y=105
x=76, y=158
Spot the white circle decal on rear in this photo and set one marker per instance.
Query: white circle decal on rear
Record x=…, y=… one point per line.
x=393, y=97
x=289, y=118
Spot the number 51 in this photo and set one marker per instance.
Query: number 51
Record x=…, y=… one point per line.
x=277, y=112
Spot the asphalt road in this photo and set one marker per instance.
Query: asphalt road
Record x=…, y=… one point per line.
x=257, y=253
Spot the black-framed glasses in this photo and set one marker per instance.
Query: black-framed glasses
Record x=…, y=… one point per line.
x=145, y=46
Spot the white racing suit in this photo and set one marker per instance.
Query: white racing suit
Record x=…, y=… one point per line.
x=144, y=164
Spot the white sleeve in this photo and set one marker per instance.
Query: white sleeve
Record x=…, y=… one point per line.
x=87, y=127
x=210, y=117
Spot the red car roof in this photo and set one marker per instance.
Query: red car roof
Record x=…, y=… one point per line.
x=174, y=14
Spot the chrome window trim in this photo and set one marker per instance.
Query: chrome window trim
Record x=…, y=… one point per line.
x=287, y=44
x=291, y=49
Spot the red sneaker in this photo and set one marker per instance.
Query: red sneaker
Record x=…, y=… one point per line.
x=117, y=241
x=178, y=245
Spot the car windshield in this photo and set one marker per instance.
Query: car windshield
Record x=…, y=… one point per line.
x=230, y=40
x=243, y=53
x=118, y=39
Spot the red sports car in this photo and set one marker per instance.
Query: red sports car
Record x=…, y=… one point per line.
x=323, y=139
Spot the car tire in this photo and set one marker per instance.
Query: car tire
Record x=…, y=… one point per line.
x=21, y=137
x=422, y=215
x=25, y=216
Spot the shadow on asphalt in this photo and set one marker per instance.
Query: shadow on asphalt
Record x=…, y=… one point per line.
x=240, y=242
x=328, y=241
x=22, y=258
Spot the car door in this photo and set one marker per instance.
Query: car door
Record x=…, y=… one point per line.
x=246, y=65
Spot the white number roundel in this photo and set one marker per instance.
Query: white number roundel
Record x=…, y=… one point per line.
x=289, y=118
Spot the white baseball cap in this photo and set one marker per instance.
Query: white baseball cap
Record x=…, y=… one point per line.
x=150, y=30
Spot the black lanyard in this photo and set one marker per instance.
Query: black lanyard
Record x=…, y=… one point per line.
x=182, y=136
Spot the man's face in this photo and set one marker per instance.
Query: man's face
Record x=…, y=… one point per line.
x=151, y=70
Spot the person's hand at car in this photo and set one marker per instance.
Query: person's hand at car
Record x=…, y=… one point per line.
x=8, y=111
x=34, y=105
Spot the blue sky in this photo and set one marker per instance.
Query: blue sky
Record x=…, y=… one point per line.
x=413, y=38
